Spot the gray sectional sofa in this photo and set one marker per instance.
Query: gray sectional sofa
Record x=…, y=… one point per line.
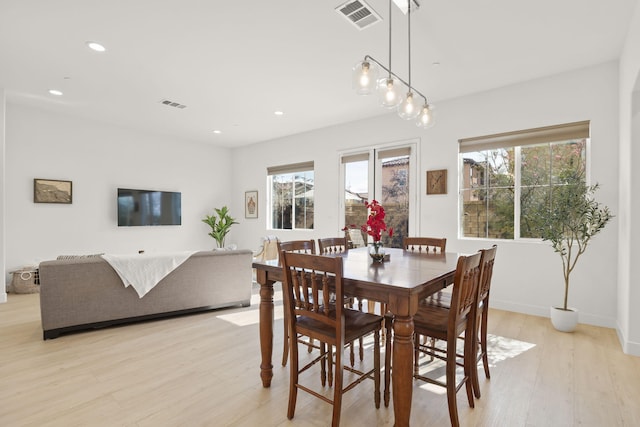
x=87, y=293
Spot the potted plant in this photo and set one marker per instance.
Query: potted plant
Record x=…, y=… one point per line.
x=569, y=222
x=220, y=224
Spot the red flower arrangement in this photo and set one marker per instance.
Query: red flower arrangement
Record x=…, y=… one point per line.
x=375, y=223
x=374, y=227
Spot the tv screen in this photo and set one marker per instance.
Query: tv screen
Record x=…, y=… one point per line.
x=148, y=207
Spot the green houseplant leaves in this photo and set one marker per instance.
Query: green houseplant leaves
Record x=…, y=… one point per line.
x=571, y=219
x=220, y=223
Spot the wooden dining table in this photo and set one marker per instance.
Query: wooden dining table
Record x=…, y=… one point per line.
x=399, y=282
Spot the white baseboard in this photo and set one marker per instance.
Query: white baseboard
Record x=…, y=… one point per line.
x=3, y=297
x=629, y=347
x=585, y=318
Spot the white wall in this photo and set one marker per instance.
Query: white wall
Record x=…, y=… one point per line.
x=99, y=158
x=3, y=293
x=528, y=276
x=628, y=296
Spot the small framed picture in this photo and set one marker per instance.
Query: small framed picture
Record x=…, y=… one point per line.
x=437, y=181
x=52, y=191
x=251, y=204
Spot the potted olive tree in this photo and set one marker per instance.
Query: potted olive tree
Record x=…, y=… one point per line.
x=569, y=222
x=220, y=223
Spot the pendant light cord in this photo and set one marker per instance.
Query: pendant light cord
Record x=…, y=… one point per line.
x=390, y=39
x=409, y=27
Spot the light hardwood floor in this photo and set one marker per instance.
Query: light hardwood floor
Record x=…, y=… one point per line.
x=203, y=370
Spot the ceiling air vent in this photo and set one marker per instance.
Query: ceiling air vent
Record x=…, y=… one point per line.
x=172, y=104
x=359, y=13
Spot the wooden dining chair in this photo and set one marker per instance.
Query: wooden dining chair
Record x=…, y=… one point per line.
x=329, y=323
x=412, y=244
x=487, y=261
x=332, y=245
x=335, y=246
x=298, y=246
x=424, y=244
x=482, y=314
x=447, y=324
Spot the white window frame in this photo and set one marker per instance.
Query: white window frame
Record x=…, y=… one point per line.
x=375, y=173
x=282, y=170
x=517, y=140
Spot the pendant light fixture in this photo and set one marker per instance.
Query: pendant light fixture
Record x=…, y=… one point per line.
x=390, y=87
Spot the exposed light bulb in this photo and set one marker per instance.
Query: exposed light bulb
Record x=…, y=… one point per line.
x=365, y=75
x=390, y=95
x=388, y=90
x=425, y=118
x=364, y=79
x=408, y=109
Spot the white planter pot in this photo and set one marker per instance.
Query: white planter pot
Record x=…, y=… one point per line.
x=564, y=320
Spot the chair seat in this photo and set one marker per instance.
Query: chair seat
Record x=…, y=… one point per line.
x=440, y=299
x=432, y=321
x=443, y=300
x=357, y=323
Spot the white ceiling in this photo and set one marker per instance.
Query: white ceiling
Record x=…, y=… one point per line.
x=233, y=63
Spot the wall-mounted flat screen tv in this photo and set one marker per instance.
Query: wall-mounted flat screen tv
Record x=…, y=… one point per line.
x=148, y=207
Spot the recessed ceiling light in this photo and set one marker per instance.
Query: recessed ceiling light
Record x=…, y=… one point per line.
x=96, y=46
x=278, y=113
x=55, y=92
x=217, y=132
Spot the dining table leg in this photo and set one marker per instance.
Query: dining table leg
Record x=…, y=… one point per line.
x=266, y=327
x=402, y=371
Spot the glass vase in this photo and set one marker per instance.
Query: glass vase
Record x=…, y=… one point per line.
x=376, y=252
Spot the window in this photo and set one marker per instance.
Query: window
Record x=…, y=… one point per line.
x=385, y=174
x=508, y=180
x=291, y=196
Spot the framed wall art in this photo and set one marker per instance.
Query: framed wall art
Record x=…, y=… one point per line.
x=251, y=204
x=437, y=181
x=52, y=191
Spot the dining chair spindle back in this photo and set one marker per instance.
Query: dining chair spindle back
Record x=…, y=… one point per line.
x=332, y=245
x=305, y=247
x=329, y=323
x=424, y=244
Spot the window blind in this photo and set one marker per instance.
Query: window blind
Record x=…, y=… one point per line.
x=563, y=132
x=291, y=168
x=394, y=152
x=351, y=158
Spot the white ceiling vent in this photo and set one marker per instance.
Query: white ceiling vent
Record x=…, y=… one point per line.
x=172, y=104
x=359, y=13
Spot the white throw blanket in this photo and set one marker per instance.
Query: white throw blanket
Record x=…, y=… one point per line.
x=144, y=271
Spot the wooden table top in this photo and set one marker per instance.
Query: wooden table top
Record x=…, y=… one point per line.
x=410, y=271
